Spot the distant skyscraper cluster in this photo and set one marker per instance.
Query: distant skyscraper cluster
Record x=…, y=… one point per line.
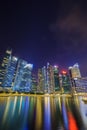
x=16, y=74
x=50, y=79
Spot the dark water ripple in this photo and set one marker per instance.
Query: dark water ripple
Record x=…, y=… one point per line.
x=43, y=113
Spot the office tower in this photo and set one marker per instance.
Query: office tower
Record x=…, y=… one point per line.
x=56, y=78
x=75, y=71
x=81, y=84
x=10, y=73
x=44, y=74
x=66, y=82
x=40, y=81
x=19, y=74
x=23, y=79
x=50, y=78
x=26, y=81
x=4, y=65
x=34, y=84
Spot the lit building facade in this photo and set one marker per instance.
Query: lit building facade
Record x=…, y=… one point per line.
x=4, y=66
x=81, y=84
x=23, y=78
x=40, y=87
x=75, y=71
x=46, y=81
x=26, y=80
x=50, y=78
x=34, y=84
x=19, y=74
x=66, y=84
x=10, y=73
x=56, y=78
x=44, y=74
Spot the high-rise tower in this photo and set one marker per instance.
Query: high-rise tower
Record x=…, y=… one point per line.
x=4, y=66
x=26, y=81
x=56, y=78
x=23, y=78
x=66, y=84
x=75, y=71
x=10, y=73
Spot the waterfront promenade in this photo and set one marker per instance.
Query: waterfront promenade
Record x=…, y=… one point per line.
x=41, y=95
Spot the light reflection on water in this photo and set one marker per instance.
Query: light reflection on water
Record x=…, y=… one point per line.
x=42, y=113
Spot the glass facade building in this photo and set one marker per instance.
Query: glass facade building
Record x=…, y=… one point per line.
x=23, y=77
x=66, y=84
x=26, y=80
x=75, y=71
x=10, y=72
x=34, y=83
x=56, y=78
x=4, y=66
x=50, y=78
x=40, y=87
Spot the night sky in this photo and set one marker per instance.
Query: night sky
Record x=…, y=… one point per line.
x=42, y=31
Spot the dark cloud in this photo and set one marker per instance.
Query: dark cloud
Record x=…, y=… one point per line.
x=71, y=29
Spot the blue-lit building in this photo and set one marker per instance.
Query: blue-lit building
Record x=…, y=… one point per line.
x=26, y=81
x=10, y=72
x=19, y=74
x=34, y=84
x=23, y=79
x=4, y=66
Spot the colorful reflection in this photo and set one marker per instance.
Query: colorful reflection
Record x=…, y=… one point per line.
x=38, y=123
x=83, y=111
x=72, y=122
x=47, y=114
x=43, y=113
x=64, y=114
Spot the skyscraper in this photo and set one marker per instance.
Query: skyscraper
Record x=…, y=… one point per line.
x=56, y=78
x=75, y=71
x=44, y=74
x=34, y=83
x=81, y=84
x=23, y=79
x=50, y=78
x=26, y=81
x=66, y=84
x=10, y=73
x=40, y=87
x=4, y=66
x=19, y=74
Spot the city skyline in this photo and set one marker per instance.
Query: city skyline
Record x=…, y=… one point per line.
x=16, y=74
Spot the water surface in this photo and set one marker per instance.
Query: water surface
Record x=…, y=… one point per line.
x=43, y=113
